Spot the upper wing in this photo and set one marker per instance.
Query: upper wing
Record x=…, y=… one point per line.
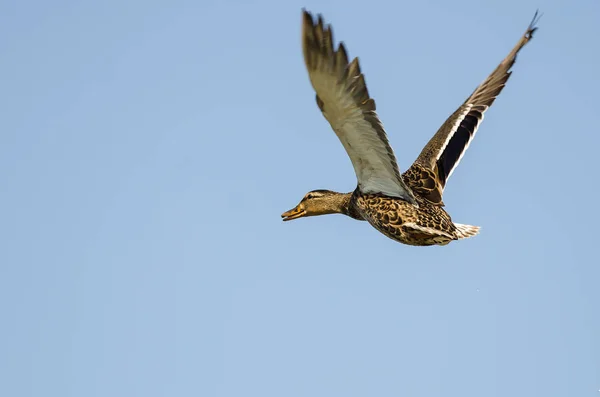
x=343, y=98
x=444, y=151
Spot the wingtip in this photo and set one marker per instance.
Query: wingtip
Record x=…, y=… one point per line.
x=313, y=20
x=306, y=16
x=534, y=21
x=307, y=26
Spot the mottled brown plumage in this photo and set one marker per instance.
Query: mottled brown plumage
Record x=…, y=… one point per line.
x=405, y=207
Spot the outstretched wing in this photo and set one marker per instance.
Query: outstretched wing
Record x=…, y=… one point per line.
x=430, y=172
x=343, y=98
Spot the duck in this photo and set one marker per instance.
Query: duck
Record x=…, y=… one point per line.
x=407, y=207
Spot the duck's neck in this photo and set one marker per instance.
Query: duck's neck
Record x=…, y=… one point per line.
x=344, y=205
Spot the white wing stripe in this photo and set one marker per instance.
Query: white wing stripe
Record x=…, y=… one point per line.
x=454, y=128
x=467, y=145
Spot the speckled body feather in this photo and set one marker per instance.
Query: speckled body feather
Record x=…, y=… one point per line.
x=426, y=225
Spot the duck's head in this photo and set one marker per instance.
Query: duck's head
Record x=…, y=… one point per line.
x=318, y=202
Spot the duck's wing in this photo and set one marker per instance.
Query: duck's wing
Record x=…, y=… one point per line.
x=430, y=172
x=343, y=98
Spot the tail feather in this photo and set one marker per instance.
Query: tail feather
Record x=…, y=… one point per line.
x=466, y=231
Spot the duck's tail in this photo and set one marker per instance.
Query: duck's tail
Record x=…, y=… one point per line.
x=466, y=231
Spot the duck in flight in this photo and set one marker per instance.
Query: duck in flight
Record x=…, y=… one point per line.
x=405, y=207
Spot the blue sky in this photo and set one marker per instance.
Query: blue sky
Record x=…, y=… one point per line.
x=149, y=148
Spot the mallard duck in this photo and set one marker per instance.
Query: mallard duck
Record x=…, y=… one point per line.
x=405, y=207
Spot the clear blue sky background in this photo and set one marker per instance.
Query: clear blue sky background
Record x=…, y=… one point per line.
x=148, y=149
